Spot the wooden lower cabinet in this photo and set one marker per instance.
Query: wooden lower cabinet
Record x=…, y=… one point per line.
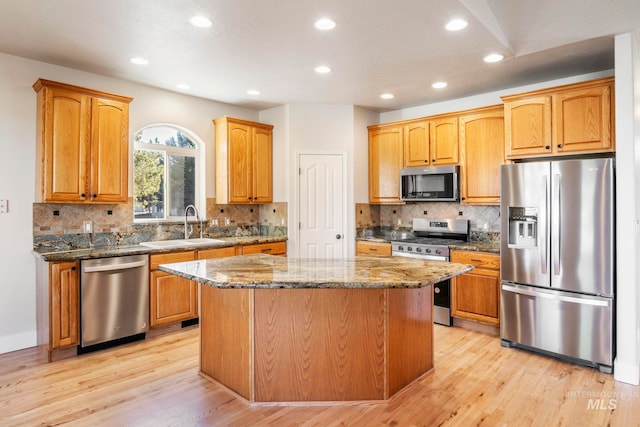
x=64, y=304
x=275, y=248
x=373, y=248
x=476, y=295
x=172, y=298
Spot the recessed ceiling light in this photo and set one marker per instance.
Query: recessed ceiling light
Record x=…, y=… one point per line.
x=493, y=57
x=456, y=24
x=253, y=92
x=200, y=21
x=387, y=96
x=183, y=86
x=322, y=69
x=439, y=85
x=325, y=24
x=139, y=61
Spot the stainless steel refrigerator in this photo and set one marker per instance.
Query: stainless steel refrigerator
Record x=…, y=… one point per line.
x=558, y=259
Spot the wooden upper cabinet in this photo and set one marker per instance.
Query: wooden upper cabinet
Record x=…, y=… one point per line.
x=444, y=141
x=244, y=161
x=583, y=119
x=482, y=147
x=82, y=144
x=528, y=127
x=416, y=144
x=571, y=119
x=385, y=162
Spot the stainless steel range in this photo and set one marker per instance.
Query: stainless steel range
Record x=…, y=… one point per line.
x=431, y=241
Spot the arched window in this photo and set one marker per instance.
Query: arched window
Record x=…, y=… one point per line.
x=166, y=162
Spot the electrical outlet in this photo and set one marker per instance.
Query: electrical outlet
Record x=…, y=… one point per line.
x=87, y=226
x=227, y=221
x=4, y=206
x=214, y=222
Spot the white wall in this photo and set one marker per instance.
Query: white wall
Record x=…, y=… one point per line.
x=482, y=100
x=627, y=66
x=17, y=169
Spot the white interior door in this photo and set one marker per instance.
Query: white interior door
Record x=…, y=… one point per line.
x=321, y=209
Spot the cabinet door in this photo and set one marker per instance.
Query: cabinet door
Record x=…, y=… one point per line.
x=172, y=298
x=476, y=295
x=416, y=144
x=109, y=151
x=64, y=304
x=66, y=125
x=444, y=141
x=482, y=145
x=385, y=162
x=262, y=166
x=239, y=168
x=583, y=120
x=528, y=127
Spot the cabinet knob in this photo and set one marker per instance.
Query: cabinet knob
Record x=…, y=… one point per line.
x=559, y=145
x=249, y=198
x=83, y=195
x=546, y=147
x=433, y=160
x=426, y=161
x=94, y=195
x=73, y=269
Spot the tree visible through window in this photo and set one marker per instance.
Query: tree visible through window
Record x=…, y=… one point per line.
x=165, y=174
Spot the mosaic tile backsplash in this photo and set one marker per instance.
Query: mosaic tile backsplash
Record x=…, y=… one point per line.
x=484, y=221
x=60, y=226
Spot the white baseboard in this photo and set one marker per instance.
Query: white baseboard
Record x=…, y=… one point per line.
x=15, y=342
x=626, y=372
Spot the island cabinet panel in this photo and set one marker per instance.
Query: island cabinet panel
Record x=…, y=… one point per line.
x=226, y=337
x=410, y=336
x=172, y=298
x=319, y=344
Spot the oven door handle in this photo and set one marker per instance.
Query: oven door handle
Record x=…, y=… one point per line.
x=421, y=256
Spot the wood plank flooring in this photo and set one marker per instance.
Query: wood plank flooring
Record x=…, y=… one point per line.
x=156, y=383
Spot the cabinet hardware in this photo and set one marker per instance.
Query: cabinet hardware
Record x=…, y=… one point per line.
x=547, y=147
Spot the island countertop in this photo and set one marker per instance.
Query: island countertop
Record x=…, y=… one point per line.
x=261, y=271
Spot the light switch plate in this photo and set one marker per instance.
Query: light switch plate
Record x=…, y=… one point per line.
x=4, y=206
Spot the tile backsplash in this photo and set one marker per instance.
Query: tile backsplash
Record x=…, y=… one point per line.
x=482, y=219
x=60, y=226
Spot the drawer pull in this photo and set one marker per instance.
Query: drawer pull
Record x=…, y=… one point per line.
x=266, y=250
x=476, y=260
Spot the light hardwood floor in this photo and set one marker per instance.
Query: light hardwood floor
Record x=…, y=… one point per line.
x=156, y=383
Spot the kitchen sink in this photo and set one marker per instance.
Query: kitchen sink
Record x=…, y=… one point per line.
x=181, y=243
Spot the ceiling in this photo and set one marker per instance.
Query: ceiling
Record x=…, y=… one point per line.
x=377, y=46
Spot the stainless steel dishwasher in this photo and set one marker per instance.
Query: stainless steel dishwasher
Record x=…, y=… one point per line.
x=114, y=301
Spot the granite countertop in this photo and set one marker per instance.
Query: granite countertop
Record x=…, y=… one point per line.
x=475, y=246
x=268, y=271
x=112, y=251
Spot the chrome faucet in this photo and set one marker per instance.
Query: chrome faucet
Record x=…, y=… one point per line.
x=186, y=211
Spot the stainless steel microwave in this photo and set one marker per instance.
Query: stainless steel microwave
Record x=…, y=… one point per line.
x=430, y=184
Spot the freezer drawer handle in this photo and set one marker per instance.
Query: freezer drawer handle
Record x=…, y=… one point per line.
x=563, y=298
x=112, y=267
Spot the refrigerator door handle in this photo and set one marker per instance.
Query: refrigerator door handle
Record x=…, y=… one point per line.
x=564, y=298
x=543, y=233
x=555, y=223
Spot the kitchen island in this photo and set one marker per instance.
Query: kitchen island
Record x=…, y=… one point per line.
x=277, y=329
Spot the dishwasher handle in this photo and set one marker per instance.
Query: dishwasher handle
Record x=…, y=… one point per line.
x=113, y=267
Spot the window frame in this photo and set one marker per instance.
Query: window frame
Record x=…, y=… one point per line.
x=198, y=152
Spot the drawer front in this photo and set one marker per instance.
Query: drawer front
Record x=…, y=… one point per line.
x=373, y=248
x=217, y=252
x=477, y=259
x=155, y=260
x=277, y=248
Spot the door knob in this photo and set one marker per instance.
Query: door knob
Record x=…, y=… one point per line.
x=338, y=236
